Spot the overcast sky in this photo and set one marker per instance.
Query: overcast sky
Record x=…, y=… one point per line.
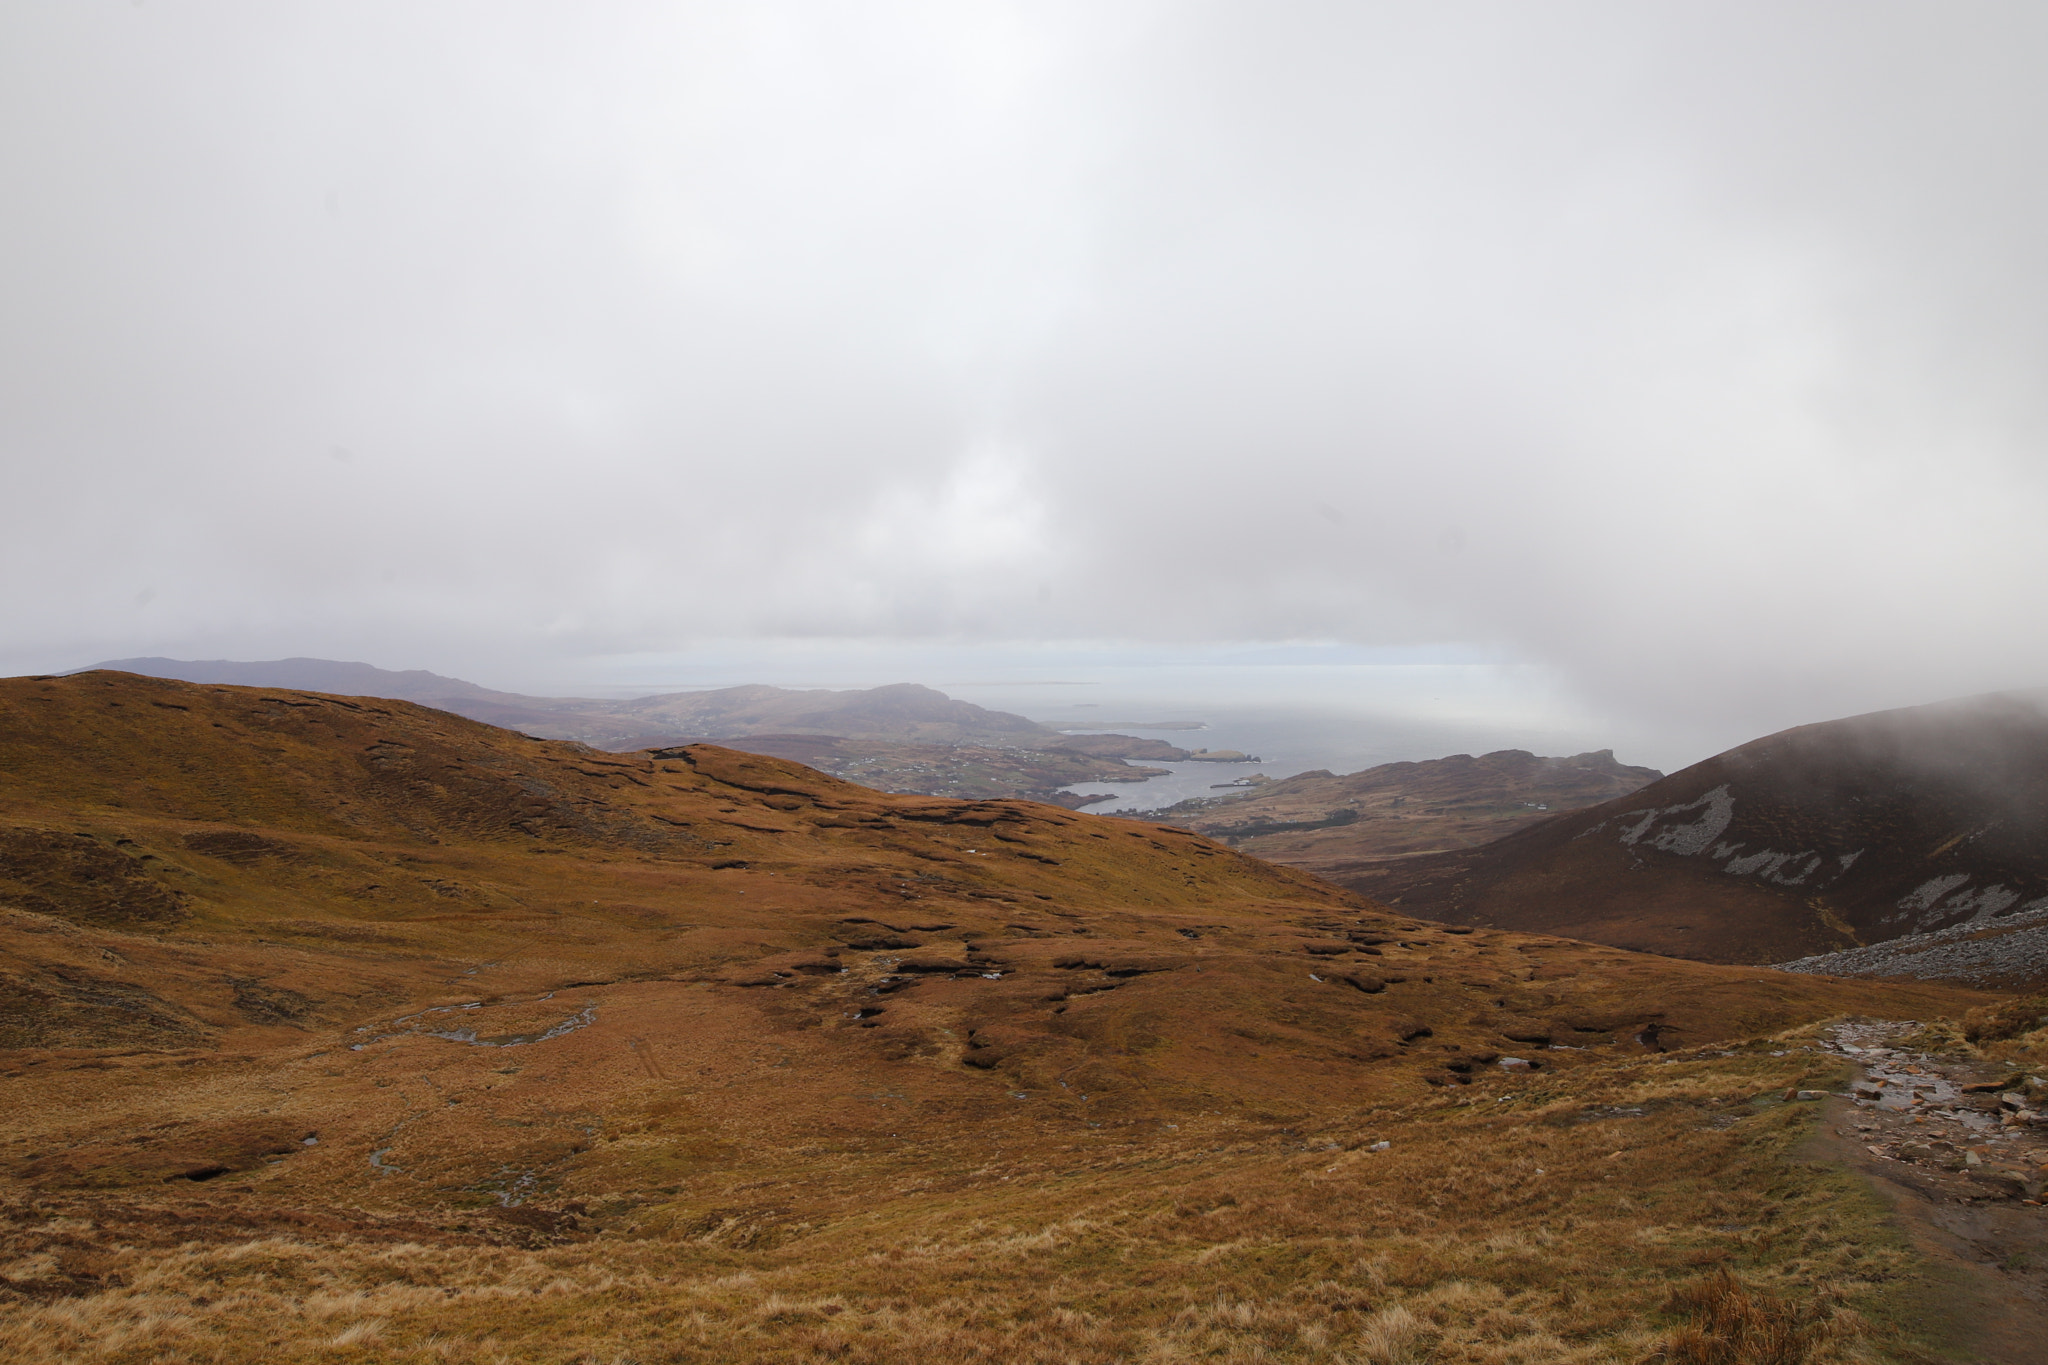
x=1693, y=351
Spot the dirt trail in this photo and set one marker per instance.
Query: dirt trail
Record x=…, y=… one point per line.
x=1962, y=1170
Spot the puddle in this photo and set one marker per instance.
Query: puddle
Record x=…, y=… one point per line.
x=584, y=1019
x=469, y=1034
x=1908, y=1082
x=510, y=1194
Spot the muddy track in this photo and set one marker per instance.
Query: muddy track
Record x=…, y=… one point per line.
x=1961, y=1172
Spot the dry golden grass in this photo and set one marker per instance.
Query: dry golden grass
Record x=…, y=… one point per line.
x=611, y=1058
x=1503, y=1225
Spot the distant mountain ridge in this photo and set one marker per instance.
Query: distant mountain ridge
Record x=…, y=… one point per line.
x=311, y=675
x=1333, y=825
x=898, y=738
x=899, y=711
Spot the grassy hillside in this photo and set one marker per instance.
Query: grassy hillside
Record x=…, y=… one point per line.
x=339, y=1029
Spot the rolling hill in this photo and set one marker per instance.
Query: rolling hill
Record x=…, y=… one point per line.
x=345, y=1028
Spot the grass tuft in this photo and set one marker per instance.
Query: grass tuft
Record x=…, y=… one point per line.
x=1734, y=1324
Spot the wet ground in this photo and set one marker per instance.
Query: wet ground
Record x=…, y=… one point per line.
x=1960, y=1156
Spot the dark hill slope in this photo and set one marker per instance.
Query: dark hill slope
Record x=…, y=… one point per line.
x=1824, y=837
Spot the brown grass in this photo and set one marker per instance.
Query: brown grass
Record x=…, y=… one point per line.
x=1532, y=1228
x=1122, y=1100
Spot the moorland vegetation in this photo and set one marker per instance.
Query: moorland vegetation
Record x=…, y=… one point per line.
x=337, y=1028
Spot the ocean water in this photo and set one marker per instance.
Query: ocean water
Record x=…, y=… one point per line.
x=1187, y=781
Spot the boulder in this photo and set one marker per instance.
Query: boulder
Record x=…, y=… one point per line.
x=2001, y=1184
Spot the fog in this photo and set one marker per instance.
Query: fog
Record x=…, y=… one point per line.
x=1685, y=357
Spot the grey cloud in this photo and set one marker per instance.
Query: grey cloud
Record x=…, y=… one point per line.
x=1692, y=349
